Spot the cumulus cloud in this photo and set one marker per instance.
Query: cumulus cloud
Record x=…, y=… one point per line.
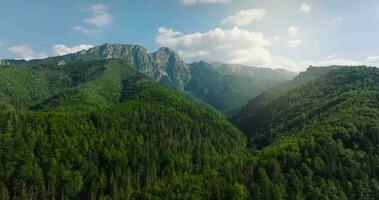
x=193, y=2
x=100, y=16
x=229, y=45
x=61, y=49
x=245, y=17
x=26, y=52
x=332, y=23
x=294, y=43
x=240, y=46
x=305, y=7
x=293, y=30
x=99, y=19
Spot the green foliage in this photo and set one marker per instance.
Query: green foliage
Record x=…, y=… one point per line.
x=319, y=140
x=155, y=145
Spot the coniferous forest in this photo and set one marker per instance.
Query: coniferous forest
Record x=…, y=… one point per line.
x=93, y=128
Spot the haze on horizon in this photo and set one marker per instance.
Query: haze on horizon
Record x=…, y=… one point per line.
x=290, y=34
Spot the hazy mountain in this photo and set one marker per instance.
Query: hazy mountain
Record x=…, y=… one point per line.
x=273, y=93
x=227, y=92
x=258, y=73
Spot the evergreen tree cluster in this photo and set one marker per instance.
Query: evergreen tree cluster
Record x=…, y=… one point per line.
x=101, y=130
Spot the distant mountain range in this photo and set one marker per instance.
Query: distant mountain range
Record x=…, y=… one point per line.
x=223, y=86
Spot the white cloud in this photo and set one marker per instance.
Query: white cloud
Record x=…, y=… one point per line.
x=100, y=16
x=241, y=46
x=61, y=49
x=332, y=23
x=369, y=61
x=86, y=31
x=230, y=45
x=333, y=60
x=100, y=19
x=293, y=30
x=305, y=7
x=25, y=52
x=193, y=2
x=294, y=43
x=245, y=17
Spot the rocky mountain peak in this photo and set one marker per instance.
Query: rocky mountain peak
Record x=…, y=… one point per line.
x=163, y=65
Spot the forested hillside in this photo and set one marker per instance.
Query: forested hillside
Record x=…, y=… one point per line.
x=153, y=144
x=86, y=85
x=317, y=141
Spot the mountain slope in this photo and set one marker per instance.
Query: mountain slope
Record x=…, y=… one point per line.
x=270, y=104
x=102, y=90
x=92, y=83
x=318, y=140
x=246, y=117
x=152, y=143
x=225, y=92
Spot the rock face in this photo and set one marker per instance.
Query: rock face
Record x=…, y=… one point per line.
x=164, y=65
x=167, y=61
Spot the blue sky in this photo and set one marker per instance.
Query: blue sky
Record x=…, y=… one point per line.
x=288, y=34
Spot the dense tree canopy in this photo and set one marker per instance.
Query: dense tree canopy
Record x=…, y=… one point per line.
x=156, y=144
x=319, y=140
x=101, y=130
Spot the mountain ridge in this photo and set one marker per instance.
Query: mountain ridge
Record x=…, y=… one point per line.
x=166, y=67
x=162, y=65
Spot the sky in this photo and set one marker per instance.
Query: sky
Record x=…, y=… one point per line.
x=290, y=34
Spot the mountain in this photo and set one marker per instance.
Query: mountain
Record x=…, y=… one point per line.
x=99, y=129
x=164, y=65
x=255, y=105
x=318, y=140
x=248, y=113
x=227, y=92
x=235, y=84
